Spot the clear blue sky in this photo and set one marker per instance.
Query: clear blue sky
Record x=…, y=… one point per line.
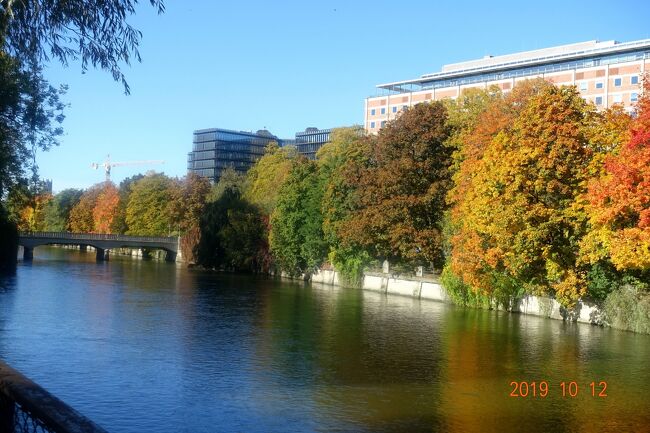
x=286, y=65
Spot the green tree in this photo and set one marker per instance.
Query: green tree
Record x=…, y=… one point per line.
x=232, y=233
x=296, y=237
x=230, y=179
x=339, y=163
x=97, y=33
x=243, y=238
x=118, y=224
x=148, y=211
x=57, y=211
x=30, y=111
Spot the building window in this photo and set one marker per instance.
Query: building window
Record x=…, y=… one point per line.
x=383, y=111
x=404, y=107
x=583, y=85
x=372, y=125
x=372, y=112
x=394, y=109
x=634, y=97
x=634, y=79
x=618, y=99
x=599, y=85
x=617, y=82
x=599, y=100
x=383, y=123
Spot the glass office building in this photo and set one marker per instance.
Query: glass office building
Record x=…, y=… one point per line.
x=310, y=140
x=214, y=150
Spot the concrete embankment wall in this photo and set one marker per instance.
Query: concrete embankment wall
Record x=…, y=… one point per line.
x=431, y=289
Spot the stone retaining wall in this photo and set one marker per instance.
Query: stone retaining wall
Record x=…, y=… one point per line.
x=431, y=289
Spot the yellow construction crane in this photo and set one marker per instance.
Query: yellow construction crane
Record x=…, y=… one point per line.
x=107, y=164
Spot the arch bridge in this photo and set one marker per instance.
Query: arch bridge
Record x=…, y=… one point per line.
x=101, y=242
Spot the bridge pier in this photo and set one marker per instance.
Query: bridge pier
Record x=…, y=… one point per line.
x=83, y=248
x=28, y=253
x=170, y=256
x=101, y=254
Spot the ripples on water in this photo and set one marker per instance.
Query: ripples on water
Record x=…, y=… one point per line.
x=152, y=347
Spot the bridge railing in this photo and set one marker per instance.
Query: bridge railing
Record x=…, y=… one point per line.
x=26, y=407
x=98, y=236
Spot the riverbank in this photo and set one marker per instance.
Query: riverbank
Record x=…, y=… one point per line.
x=430, y=288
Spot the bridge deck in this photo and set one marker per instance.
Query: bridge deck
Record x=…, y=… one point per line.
x=101, y=241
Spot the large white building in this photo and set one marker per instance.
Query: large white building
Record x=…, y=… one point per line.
x=606, y=73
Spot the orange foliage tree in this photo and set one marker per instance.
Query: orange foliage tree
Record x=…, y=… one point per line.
x=81, y=215
x=619, y=200
x=517, y=224
x=106, y=208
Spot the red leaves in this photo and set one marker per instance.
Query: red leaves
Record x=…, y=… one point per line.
x=620, y=199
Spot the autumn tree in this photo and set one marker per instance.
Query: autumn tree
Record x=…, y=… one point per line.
x=82, y=218
x=267, y=176
x=106, y=207
x=619, y=200
x=118, y=225
x=401, y=189
x=27, y=208
x=476, y=119
x=148, y=211
x=186, y=208
x=466, y=114
x=521, y=227
x=296, y=236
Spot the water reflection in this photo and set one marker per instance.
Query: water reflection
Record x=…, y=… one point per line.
x=149, y=346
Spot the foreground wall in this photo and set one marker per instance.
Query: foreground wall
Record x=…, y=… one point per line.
x=430, y=288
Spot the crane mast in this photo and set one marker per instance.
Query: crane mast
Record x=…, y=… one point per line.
x=107, y=164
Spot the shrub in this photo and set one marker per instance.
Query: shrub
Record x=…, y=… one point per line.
x=628, y=308
x=460, y=293
x=350, y=263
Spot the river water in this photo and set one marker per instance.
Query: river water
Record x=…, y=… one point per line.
x=146, y=346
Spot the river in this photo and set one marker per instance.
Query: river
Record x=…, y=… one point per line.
x=147, y=346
